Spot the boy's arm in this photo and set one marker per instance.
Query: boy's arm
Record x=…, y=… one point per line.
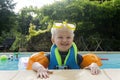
x=38, y=57
x=92, y=62
x=36, y=66
x=39, y=63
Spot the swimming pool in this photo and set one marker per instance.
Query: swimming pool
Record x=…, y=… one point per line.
x=112, y=62
x=12, y=64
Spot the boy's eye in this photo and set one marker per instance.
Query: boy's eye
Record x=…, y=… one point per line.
x=64, y=37
x=60, y=37
x=68, y=37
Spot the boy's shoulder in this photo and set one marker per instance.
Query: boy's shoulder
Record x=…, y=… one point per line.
x=48, y=56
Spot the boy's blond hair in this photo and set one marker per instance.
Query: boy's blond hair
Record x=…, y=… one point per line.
x=64, y=26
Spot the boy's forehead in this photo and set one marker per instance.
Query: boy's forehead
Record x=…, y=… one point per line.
x=61, y=32
x=65, y=33
x=64, y=30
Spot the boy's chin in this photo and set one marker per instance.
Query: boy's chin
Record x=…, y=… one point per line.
x=64, y=50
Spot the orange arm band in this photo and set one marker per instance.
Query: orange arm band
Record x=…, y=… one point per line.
x=39, y=57
x=90, y=58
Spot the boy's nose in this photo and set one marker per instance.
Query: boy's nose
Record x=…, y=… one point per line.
x=64, y=39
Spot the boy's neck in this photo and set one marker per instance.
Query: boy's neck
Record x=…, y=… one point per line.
x=63, y=52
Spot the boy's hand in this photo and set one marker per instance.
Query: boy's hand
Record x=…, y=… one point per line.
x=42, y=72
x=94, y=68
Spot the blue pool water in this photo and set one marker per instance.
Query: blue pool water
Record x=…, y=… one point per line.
x=12, y=64
x=112, y=62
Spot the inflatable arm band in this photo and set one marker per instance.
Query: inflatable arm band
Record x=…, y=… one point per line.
x=38, y=57
x=90, y=58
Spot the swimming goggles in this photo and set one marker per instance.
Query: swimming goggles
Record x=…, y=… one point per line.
x=60, y=25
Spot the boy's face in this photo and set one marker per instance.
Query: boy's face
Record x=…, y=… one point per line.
x=63, y=39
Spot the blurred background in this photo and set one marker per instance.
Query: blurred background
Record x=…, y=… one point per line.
x=25, y=24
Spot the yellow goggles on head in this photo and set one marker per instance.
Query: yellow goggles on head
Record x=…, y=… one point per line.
x=64, y=24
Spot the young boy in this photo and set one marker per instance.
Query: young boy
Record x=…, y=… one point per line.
x=63, y=54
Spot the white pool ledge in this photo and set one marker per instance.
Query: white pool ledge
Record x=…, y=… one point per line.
x=105, y=74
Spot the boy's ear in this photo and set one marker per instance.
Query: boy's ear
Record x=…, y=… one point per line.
x=52, y=40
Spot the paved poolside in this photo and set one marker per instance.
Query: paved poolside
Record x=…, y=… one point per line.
x=105, y=74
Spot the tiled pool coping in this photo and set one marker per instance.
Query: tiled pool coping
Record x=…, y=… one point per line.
x=105, y=74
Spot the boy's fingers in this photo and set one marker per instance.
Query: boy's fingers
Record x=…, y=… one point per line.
x=95, y=70
x=44, y=74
